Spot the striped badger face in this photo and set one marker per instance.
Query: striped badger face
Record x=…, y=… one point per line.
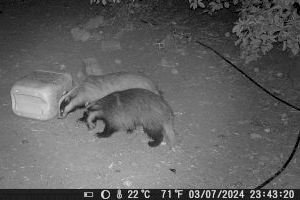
x=128, y=109
x=66, y=106
x=72, y=100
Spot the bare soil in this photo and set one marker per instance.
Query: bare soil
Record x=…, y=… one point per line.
x=231, y=134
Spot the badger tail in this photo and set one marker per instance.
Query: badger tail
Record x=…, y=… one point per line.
x=169, y=134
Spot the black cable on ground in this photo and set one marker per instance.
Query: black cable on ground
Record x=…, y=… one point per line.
x=247, y=76
x=269, y=93
x=283, y=166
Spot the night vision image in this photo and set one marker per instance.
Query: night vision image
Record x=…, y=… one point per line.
x=124, y=94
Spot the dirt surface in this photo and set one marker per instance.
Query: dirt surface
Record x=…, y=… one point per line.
x=231, y=134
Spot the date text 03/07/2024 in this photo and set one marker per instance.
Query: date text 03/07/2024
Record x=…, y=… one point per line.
x=152, y=194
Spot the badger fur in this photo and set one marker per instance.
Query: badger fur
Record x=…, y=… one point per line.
x=93, y=88
x=125, y=110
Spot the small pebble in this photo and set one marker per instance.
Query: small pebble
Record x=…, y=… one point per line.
x=227, y=34
x=174, y=71
x=279, y=75
x=267, y=130
x=127, y=183
x=118, y=61
x=255, y=136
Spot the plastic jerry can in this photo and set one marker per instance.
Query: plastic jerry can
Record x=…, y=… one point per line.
x=36, y=95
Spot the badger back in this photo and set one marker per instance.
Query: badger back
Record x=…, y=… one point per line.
x=120, y=81
x=134, y=104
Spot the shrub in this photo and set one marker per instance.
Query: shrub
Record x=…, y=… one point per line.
x=263, y=23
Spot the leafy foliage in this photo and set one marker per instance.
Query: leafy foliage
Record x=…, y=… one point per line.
x=262, y=23
x=104, y=2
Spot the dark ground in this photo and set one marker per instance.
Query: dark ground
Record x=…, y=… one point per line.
x=231, y=134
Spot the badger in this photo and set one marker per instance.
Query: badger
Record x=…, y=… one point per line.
x=93, y=88
x=128, y=109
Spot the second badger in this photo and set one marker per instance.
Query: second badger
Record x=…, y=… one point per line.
x=93, y=88
x=125, y=110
